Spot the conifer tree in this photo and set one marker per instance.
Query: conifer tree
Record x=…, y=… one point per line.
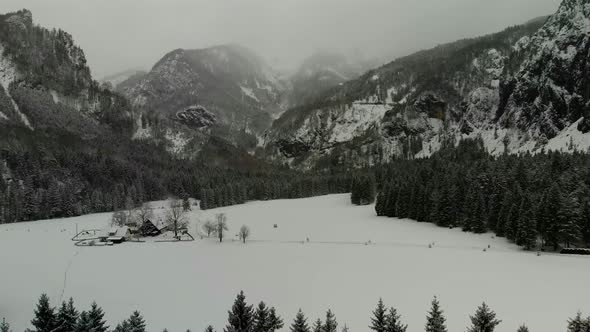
x=4, y=326
x=378, y=320
x=261, y=319
x=122, y=327
x=67, y=316
x=83, y=324
x=330, y=325
x=241, y=316
x=523, y=328
x=484, y=320
x=578, y=324
x=95, y=317
x=209, y=329
x=393, y=323
x=300, y=323
x=136, y=322
x=435, y=320
x=276, y=322
x=45, y=320
x=318, y=325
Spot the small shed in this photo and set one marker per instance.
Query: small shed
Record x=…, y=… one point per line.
x=149, y=229
x=117, y=234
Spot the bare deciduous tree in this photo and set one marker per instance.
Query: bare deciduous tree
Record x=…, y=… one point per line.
x=244, y=233
x=143, y=213
x=220, y=225
x=175, y=215
x=119, y=218
x=209, y=227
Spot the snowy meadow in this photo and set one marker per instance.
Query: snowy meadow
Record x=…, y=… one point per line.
x=323, y=254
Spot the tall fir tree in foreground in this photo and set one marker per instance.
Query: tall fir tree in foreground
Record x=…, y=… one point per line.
x=275, y=321
x=484, y=320
x=241, y=316
x=393, y=322
x=67, y=316
x=300, y=323
x=318, y=325
x=136, y=322
x=4, y=326
x=261, y=319
x=578, y=324
x=95, y=316
x=435, y=320
x=122, y=327
x=83, y=324
x=379, y=317
x=330, y=325
x=45, y=320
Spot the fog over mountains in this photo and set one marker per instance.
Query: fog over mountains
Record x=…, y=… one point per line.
x=141, y=32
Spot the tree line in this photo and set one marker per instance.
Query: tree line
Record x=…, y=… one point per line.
x=536, y=201
x=243, y=317
x=42, y=178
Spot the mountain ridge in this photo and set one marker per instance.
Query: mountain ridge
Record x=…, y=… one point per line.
x=419, y=103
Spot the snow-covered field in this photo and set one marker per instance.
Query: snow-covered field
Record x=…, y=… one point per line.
x=191, y=284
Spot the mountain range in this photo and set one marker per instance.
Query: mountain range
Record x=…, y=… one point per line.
x=524, y=89
x=513, y=89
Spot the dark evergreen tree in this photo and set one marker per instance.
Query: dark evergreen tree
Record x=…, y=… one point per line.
x=330, y=325
x=484, y=320
x=136, y=322
x=578, y=324
x=67, y=316
x=45, y=320
x=435, y=320
x=275, y=321
x=300, y=323
x=523, y=328
x=393, y=322
x=123, y=327
x=83, y=324
x=4, y=326
x=378, y=320
x=318, y=326
x=95, y=317
x=241, y=316
x=209, y=329
x=261, y=319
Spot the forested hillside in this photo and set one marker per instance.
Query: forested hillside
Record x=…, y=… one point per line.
x=67, y=148
x=523, y=198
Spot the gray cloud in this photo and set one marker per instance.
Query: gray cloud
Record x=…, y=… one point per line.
x=122, y=34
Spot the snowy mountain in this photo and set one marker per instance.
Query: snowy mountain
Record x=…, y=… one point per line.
x=229, y=83
x=324, y=70
x=548, y=95
x=129, y=76
x=46, y=84
x=514, y=89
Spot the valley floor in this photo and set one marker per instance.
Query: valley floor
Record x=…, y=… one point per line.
x=352, y=258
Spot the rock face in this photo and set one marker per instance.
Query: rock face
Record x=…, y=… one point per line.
x=523, y=89
x=550, y=90
x=233, y=85
x=407, y=108
x=196, y=117
x=45, y=83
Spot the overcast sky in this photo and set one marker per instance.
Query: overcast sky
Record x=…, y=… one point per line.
x=121, y=34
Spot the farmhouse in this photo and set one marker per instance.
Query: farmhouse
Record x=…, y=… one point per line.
x=116, y=234
x=149, y=229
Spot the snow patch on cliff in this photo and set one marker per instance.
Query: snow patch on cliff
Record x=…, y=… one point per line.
x=9, y=74
x=177, y=141
x=249, y=92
